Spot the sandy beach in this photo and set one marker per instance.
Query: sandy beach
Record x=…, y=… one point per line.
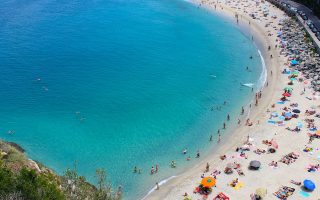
x=266, y=131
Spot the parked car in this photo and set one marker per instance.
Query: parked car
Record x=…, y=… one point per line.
x=304, y=17
x=311, y=26
x=309, y=22
x=314, y=29
x=294, y=9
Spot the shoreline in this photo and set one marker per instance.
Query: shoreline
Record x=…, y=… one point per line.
x=237, y=134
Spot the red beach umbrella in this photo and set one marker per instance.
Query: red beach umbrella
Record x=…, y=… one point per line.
x=286, y=94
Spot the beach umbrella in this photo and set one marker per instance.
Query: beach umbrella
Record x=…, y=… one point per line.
x=288, y=114
x=296, y=110
x=309, y=185
x=286, y=94
x=294, y=62
x=261, y=192
x=255, y=164
x=208, y=182
x=289, y=89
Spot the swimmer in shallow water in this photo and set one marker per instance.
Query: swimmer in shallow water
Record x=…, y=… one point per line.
x=185, y=151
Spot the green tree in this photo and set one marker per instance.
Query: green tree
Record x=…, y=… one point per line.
x=7, y=181
x=37, y=186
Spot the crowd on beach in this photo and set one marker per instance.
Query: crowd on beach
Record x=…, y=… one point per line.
x=279, y=156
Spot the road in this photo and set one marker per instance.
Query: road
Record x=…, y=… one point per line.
x=306, y=10
x=315, y=20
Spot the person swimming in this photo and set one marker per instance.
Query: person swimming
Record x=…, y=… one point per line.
x=198, y=154
x=173, y=164
x=185, y=151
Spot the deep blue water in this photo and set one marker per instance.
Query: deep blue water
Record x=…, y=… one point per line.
x=118, y=83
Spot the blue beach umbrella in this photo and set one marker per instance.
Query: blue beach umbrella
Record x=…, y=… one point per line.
x=288, y=114
x=309, y=185
x=294, y=62
x=296, y=111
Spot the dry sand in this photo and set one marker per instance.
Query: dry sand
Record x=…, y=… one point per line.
x=267, y=177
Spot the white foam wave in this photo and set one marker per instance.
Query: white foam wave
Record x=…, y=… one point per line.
x=250, y=85
x=160, y=183
x=263, y=76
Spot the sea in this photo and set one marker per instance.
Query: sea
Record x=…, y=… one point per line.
x=115, y=84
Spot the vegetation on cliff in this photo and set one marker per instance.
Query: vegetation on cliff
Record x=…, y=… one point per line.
x=24, y=179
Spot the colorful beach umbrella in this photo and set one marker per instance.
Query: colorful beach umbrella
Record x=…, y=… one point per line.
x=294, y=62
x=208, y=182
x=309, y=185
x=288, y=89
x=286, y=94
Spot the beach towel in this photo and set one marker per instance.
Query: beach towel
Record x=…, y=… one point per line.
x=239, y=186
x=280, y=102
x=304, y=194
x=313, y=129
x=271, y=122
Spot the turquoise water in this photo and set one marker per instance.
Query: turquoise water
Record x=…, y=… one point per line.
x=119, y=83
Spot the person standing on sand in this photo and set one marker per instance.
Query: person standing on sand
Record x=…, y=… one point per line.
x=242, y=110
x=224, y=125
x=239, y=122
x=219, y=138
x=207, y=167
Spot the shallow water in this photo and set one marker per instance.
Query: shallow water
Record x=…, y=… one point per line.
x=118, y=84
